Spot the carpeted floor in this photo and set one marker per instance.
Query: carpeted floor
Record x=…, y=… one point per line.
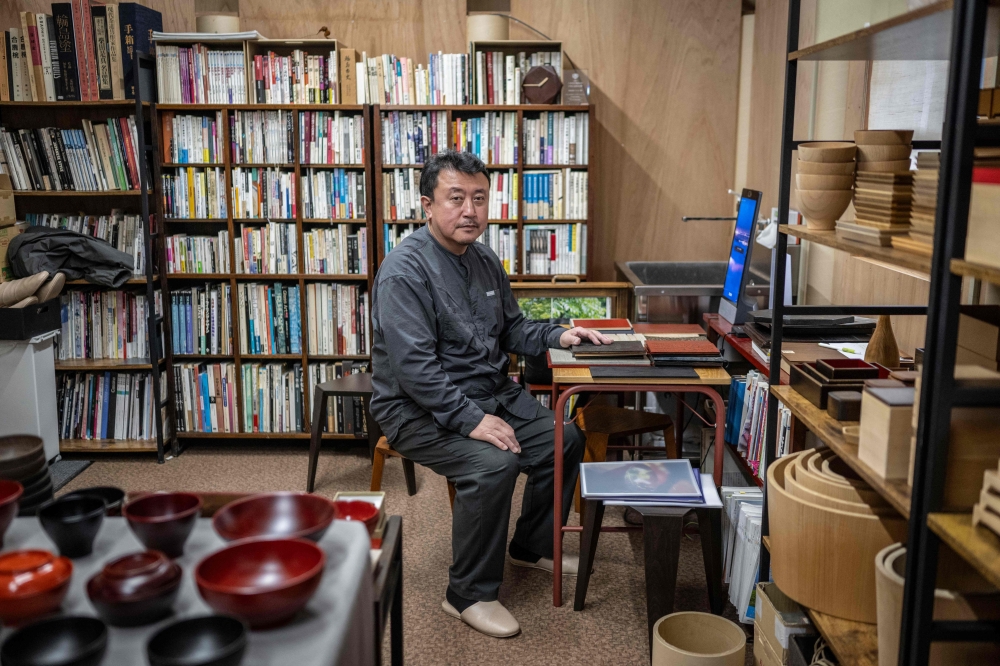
x=611, y=630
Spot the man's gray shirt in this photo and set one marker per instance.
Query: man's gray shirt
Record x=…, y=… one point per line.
x=442, y=326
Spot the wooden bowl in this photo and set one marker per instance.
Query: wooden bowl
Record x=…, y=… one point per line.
x=32, y=583
x=822, y=208
x=883, y=153
x=809, y=181
x=287, y=515
x=359, y=510
x=208, y=640
x=891, y=166
x=883, y=137
x=113, y=497
x=697, y=639
x=10, y=495
x=20, y=456
x=73, y=523
x=827, y=151
x=263, y=581
x=135, y=589
x=163, y=521
x=57, y=641
x=825, y=168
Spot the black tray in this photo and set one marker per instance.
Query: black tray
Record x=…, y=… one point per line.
x=27, y=322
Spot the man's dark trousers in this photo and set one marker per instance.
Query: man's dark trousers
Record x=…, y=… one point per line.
x=484, y=478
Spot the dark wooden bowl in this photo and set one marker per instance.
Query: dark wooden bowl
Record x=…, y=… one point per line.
x=136, y=589
x=262, y=581
x=57, y=641
x=210, y=640
x=287, y=515
x=10, y=495
x=25, y=469
x=32, y=583
x=113, y=497
x=17, y=450
x=72, y=523
x=359, y=510
x=163, y=521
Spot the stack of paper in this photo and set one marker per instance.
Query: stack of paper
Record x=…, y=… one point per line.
x=734, y=497
x=746, y=557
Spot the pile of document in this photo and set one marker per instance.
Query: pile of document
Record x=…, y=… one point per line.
x=741, y=520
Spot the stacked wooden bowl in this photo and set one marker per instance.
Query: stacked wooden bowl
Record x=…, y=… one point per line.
x=826, y=527
x=825, y=181
x=884, y=151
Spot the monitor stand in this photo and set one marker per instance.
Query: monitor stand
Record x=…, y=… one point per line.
x=736, y=313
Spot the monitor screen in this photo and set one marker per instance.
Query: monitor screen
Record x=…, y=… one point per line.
x=742, y=238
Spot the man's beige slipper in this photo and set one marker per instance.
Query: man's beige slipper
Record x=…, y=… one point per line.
x=487, y=617
x=570, y=567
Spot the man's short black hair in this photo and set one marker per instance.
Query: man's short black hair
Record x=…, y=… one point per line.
x=451, y=160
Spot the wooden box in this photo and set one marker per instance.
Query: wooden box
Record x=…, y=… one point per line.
x=979, y=330
x=884, y=444
x=805, y=379
x=982, y=244
x=844, y=405
x=846, y=368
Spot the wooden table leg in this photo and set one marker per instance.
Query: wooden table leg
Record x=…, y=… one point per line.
x=315, y=437
x=411, y=478
x=710, y=527
x=661, y=536
x=593, y=515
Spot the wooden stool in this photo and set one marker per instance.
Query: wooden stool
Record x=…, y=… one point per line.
x=604, y=424
x=382, y=451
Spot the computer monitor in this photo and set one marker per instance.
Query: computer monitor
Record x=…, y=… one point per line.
x=734, y=305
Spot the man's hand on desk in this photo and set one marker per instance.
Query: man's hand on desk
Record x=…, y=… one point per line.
x=495, y=430
x=575, y=336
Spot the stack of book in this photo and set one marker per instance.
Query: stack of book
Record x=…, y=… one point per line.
x=197, y=254
x=558, y=249
x=272, y=397
x=499, y=76
x=192, y=139
x=556, y=195
x=684, y=352
x=110, y=405
x=201, y=320
x=394, y=234
x=401, y=194
x=298, y=78
x=811, y=330
x=191, y=193
x=105, y=324
x=270, y=249
x=205, y=397
x=492, y=138
x=743, y=557
x=200, y=75
x=123, y=232
x=732, y=499
x=336, y=251
x=269, y=318
x=263, y=193
x=410, y=138
x=503, y=195
x=329, y=137
x=882, y=207
x=100, y=157
x=83, y=51
x=746, y=414
x=344, y=416
x=262, y=137
x=503, y=241
x=556, y=137
x=338, y=319
x=333, y=194
x=387, y=79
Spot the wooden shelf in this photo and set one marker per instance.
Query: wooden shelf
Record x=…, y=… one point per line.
x=210, y=165
x=78, y=193
x=854, y=643
x=889, y=255
x=978, y=271
x=897, y=493
x=979, y=546
x=117, y=364
x=259, y=107
x=263, y=165
x=549, y=167
x=311, y=165
x=131, y=282
x=319, y=220
x=464, y=108
x=94, y=103
x=107, y=445
x=921, y=34
x=197, y=220
x=264, y=277
x=264, y=435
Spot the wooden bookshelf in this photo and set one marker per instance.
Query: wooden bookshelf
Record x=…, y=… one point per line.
x=978, y=271
x=456, y=112
x=888, y=255
x=979, y=546
x=854, y=643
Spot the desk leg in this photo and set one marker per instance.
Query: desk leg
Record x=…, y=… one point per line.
x=315, y=438
x=679, y=423
x=593, y=516
x=396, y=622
x=710, y=527
x=661, y=536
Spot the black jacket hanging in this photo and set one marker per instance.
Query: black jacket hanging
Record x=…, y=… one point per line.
x=77, y=255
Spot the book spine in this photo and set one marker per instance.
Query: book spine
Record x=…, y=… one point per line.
x=88, y=35
x=99, y=27
x=68, y=88
x=45, y=51
x=115, y=52
x=84, y=63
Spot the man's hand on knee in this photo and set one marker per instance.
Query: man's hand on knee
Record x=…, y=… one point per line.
x=497, y=432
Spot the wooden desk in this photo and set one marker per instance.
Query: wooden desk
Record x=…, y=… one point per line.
x=573, y=375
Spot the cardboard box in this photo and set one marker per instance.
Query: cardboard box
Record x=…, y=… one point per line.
x=763, y=655
x=6, y=235
x=8, y=213
x=778, y=618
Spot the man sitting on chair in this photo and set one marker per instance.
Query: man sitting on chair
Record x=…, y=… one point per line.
x=444, y=320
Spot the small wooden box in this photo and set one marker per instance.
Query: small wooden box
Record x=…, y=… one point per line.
x=844, y=405
x=884, y=444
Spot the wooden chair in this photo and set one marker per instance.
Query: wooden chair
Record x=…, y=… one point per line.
x=384, y=450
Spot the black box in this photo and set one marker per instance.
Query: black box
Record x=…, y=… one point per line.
x=800, y=650
x=27, y=322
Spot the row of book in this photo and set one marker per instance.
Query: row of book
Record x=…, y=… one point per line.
x=191, y=139
x=298, y=78
x=263, y=193
x=271, y=248
x=201, y=318
x=742, y=512
x=205, y=397
x=412, y=137
x=109, y=405
x=394, y=234
x=193, y=193
x=559, y=249
x=498, y=76
x=492, y=138
x=387, y=79
x=503, y=241
x=200, y=75
x=336, y=251
x=269, y=318
x=83, y=51
x=746, y=420
x=262, y=137
x=556, y=137
x=344, y=416
x=503, y=195
x=331, y=137
x=556, y=195
x=401, y=194
x=105, y=324
x=197, y=254
x=122, y=231
x=272, y=397
x=338, y=317
x=100, y=157
x=333, y=194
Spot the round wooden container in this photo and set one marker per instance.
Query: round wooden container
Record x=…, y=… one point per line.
x=698, y=639
x=834, y=489
x=798, y=490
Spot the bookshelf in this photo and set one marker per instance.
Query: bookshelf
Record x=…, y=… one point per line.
x=385, y=223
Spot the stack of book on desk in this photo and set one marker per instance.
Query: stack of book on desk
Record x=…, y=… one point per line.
x=806, y=329
x=642, y=483
x=625, y=343
x=684, y=353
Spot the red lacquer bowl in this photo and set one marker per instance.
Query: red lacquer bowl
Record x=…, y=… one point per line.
x=281, y=515
x=263, y=581
x=359, y=510
x=32, y=583
x=10, y=496
x=135, y=589
x=163, y=521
